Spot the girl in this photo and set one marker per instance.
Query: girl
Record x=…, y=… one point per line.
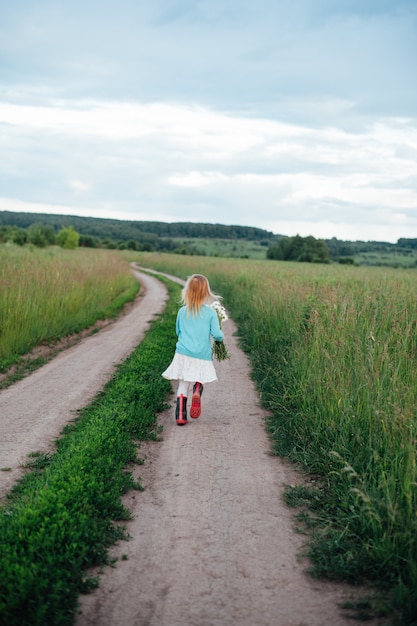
x=192, y=362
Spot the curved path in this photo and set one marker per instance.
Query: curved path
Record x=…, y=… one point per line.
x=34, y=411
x=212, y=543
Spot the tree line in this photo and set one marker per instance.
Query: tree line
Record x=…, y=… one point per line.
x=40, y=235
x=143, y=232
x=303, y=249
x=42, y=229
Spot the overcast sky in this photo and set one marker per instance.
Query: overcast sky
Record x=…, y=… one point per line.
x=297, y=116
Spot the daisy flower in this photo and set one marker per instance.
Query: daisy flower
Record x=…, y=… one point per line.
x=219, y=350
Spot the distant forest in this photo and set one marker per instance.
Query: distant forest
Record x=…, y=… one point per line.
x=157, y=234
x=170, y=237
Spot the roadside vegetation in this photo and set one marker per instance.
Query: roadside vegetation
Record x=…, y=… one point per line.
x=48, y=293
x=333, y=352
x=62, y=517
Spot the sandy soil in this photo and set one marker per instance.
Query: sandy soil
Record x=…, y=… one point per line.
x=212, y=543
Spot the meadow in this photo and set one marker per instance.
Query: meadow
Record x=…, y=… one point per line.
x=333, y=352
x=237, y=248
x=46, y=294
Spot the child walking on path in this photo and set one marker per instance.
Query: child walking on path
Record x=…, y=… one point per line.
x=193, y=362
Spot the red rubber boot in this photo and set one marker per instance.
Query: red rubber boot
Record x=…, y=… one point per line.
x=195, y=410
x=181, y=410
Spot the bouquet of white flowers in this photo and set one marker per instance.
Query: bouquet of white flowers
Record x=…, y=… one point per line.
x=219, y=348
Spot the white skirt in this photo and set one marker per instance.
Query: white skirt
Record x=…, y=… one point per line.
x=191, y=370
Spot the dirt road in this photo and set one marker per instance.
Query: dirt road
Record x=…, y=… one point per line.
x=34, y=410
x=212, y=543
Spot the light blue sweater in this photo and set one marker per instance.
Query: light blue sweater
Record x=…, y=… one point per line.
x=194, y=332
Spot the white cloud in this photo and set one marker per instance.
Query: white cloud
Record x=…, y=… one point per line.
x=79, y=186
x=192, y=162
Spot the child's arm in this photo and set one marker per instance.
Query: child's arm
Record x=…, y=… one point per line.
x=215, y=330
x=177, y=324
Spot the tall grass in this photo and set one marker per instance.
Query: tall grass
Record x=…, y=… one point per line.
x=334, y=351
x=46, y=294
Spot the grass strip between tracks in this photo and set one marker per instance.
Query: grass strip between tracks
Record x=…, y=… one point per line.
x=60, y=518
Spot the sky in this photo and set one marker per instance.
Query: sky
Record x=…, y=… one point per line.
x=298, y=117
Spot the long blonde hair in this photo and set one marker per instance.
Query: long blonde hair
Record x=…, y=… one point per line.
x=196, y=292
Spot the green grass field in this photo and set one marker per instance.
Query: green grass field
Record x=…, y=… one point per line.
x=46, y=294
x=235, y=248
x=333, y=352
x=393, y=259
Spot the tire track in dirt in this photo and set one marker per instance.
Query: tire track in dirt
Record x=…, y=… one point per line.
x=212, y=543
x=34, y=410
